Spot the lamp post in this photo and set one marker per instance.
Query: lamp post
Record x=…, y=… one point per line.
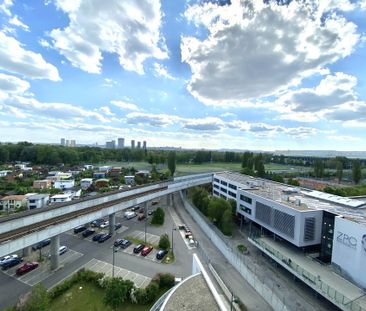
x=173, y=229
x=114, y=251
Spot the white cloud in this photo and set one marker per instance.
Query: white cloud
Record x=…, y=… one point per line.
x=16, y=22
x=205, y=124
x=129, y=28
x=44, y=43
x=255, y=49
x=5, y=6
x=227, y=115
x=157, y=120
x=13, y=85
x=106, y=110
x=108, y=82
x=124, y=105
x=14, y=58
x=343, y=138
x=161, y=71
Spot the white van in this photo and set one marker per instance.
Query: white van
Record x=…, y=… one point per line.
x=130, y=215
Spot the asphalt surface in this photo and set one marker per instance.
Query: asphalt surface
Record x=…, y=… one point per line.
x=11, y=288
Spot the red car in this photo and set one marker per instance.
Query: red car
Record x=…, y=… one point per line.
x=146, y=250
x=28, y=266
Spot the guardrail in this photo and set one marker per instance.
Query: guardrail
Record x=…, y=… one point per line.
x=315, y=281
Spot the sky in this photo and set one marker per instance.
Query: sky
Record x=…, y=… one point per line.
x=260, y=75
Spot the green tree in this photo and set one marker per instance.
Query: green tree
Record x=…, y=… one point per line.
x=319, y=168
x=233, y=206
x=117, y=292
x=216, y=209
x=38, y=300
x=339, y=167
x=356, y=171
x=4, y=154
x=227, y=222
x=278, y=178
x=164, y=242
x=172, y=162
x=158, y=217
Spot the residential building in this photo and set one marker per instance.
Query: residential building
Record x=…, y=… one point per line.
x=99, y=175
x=4, y=173
x=307, y=225
x=139, y=145
x=85, y=183
x=67, y=143
x=37, y=201
x=75, y=193
x=129, y=180
x=63, y=142
x=132, y=144
x=42, y=184
x=144, y=144
x=110, y=144
x=64, y=184
x=121, y=143
x=143, y=173
x=60, y=198
x=105, y=168
x=72, y=143
x=102, y=183
x=12, y=202
x=88, y=166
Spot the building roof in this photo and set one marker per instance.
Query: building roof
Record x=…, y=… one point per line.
x=300, y=198
x=38, y=196
x=14, y=197
x=192, y=294
x=61, y=196
x=86, y=179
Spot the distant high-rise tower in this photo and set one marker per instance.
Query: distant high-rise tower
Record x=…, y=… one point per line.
x=132, y=143
x=144, y=144
x=110, y=144
x=72, y=143
x=139, y=144
x=63, y=141
x=121, y=143
x=67, y=143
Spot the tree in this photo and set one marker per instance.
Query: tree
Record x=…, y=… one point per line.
x=227, y=222
x=216, y=209
x=172, y=162
x=233, y=206
x=319, y=168
x=158, y=217
x=117, y=292
x=38, y=299
x=339, y=167
x=164, y=242
x=356, y=171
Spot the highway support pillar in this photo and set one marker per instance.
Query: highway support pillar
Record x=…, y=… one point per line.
x=55, y=255
x=26, y=251
x=169, y=199
x=112, y=223
x=145, y=213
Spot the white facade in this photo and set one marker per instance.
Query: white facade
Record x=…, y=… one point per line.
x=59, y=198
x=85, y=183
x=37, y=201
x=64, y=184
x=88, y=166
x=104, y=169
x=4, y=173
x=349, y=249
x=129, y=180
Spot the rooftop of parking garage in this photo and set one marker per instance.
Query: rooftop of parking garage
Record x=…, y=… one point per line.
x=299, y=198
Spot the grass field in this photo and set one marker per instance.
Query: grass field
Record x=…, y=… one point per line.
x=88, y=297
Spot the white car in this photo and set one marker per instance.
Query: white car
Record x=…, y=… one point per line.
x=104, y=224
x=8, y=257
x=63, y=249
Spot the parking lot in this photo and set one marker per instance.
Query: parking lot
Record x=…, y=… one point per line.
x=106, y=268
x=150, y=238
x=44, y=270
x=97, y=230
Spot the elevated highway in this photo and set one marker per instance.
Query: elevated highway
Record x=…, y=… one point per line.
x=19, y=231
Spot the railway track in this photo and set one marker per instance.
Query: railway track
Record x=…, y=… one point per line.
x=38, y=226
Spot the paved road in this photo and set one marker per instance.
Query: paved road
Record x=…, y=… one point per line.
x=241, y=288
x=11, y=288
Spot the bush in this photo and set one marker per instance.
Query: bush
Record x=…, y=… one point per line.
x=117, y=292
x=164, y=242
x=152, y=291
x=242, y=248
x=166, y=280
x=158, y=217
x=38, y=300
x=140, y=296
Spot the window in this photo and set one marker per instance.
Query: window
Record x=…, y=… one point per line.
x=232, y=186
x=217, y=180
x=246, y=199
x=216, y=186
x=216, y=193
x=223, y=183
x=232, y=194
x=246, y=209
x=223, y=190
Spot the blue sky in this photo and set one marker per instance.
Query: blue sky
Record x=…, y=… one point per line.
x=191, y=74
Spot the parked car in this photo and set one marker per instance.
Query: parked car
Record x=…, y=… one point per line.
x=6, y=258
x=97, y=222
x=41, y=244
x=135, y=208
x=104, y=224
x=11, y=262
x=88, y=232
x=146, y=250
x=130, y=215
x=98, y=236
x=141, y=210
x=150, y=212
x=154, y=202
x=161, y=254
x=79, y=229
x=182, y=227
x=141, y=217
x=122, y=243
x=138, y=248
x=62, y=250
x=104, y=237
x=117, y=226
x=26, y=267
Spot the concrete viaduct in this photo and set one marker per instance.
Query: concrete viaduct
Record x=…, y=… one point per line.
x=22, y=230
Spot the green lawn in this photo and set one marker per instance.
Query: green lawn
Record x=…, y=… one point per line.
x=88, y=297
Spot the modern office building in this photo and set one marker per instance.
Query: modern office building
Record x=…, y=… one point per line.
x=110, y=144
x=72, y=143
x=138, y=144
x=121, y=143
x=284, y=219
x=132, y=143
x=144, y=144
x=63, y=142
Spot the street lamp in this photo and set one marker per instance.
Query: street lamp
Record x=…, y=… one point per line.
x=173, y=229
x=114, y=249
